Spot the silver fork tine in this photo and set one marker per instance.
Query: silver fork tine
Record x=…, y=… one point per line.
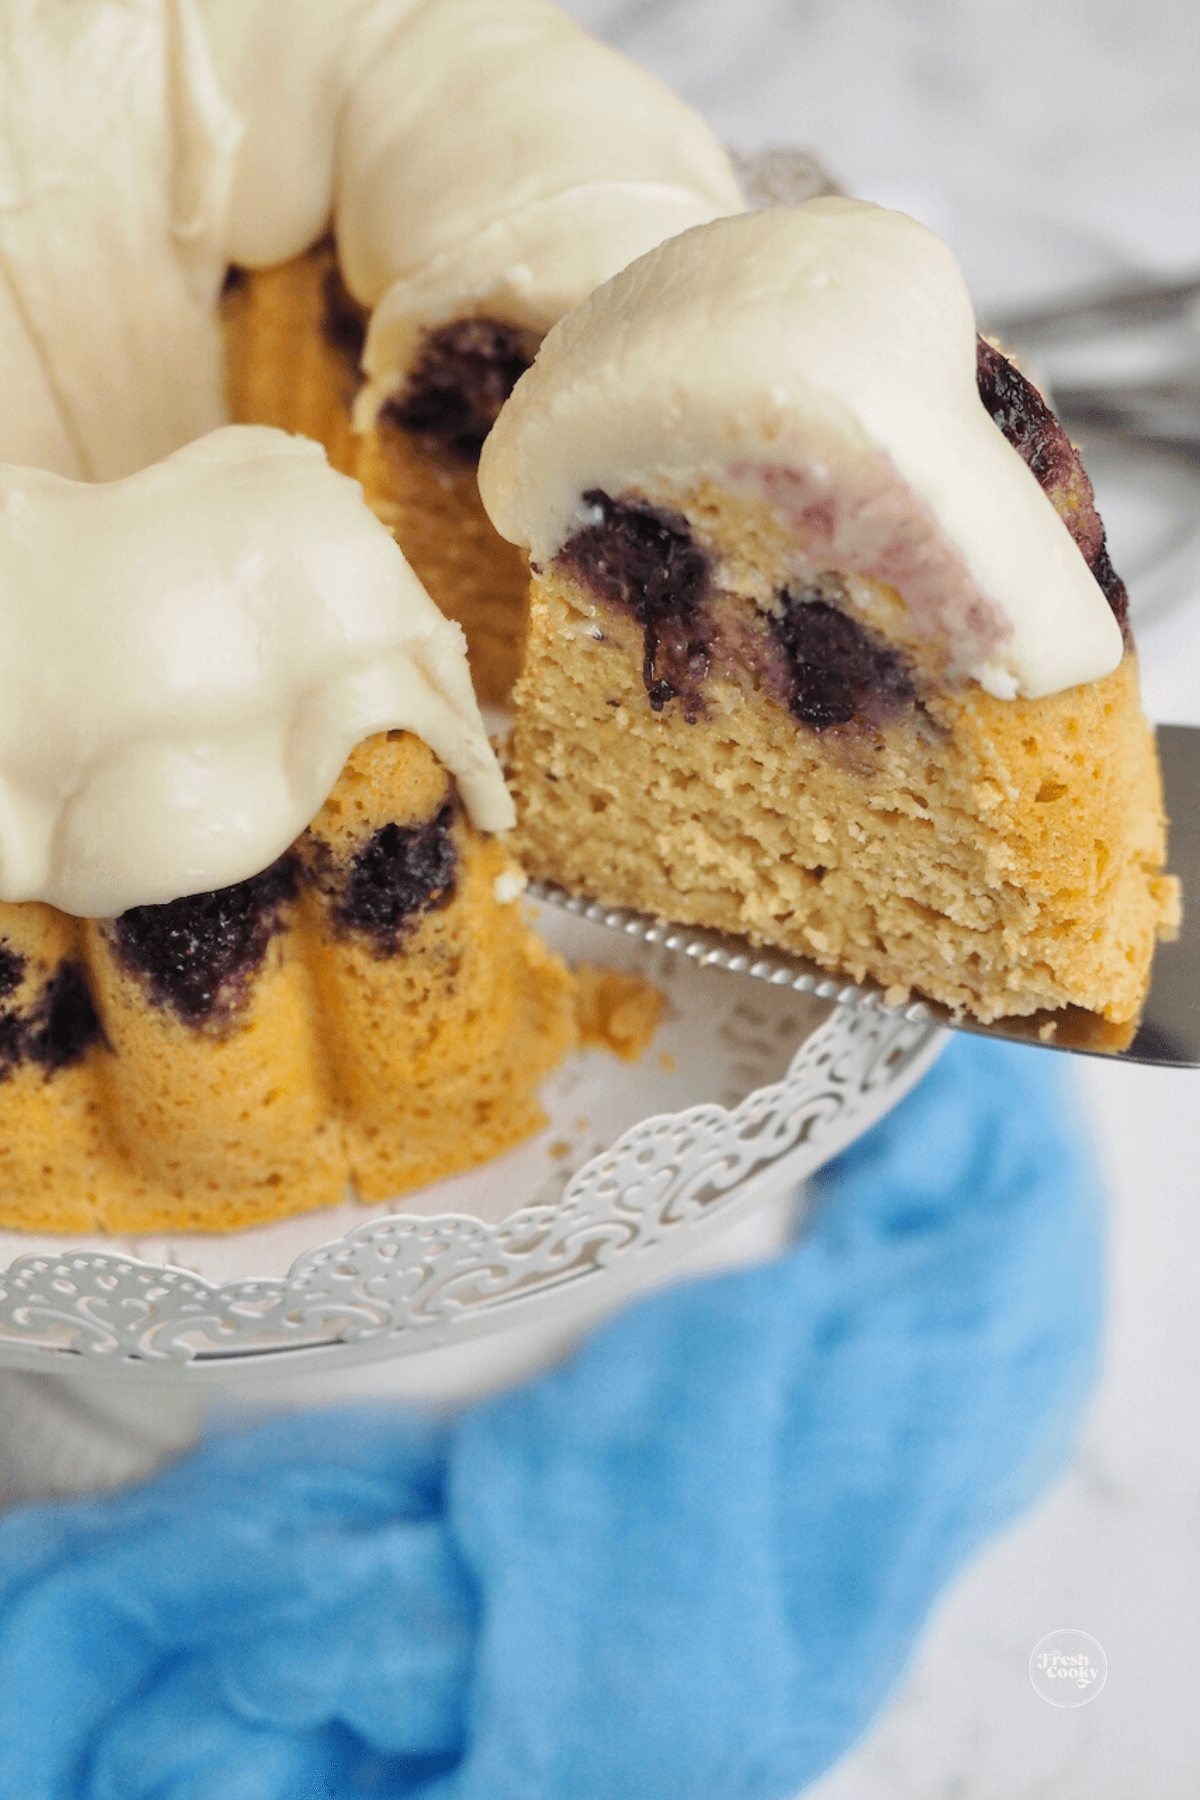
x=1165, y=415
x=1119, y=306
x=1169, y=1035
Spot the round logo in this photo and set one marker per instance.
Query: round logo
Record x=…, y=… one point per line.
x=1068, y=1668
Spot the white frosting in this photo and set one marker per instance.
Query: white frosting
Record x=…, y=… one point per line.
x=116, y=153
x=190, y=654
x=182, y=686
x=497, y=159
x=525, y=270
x=823, y=356
x=144, y=144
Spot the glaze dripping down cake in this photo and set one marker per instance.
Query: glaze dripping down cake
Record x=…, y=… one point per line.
x=258, y=935
x=825, y=646
x=397, y=194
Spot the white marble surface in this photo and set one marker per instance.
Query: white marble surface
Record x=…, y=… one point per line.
x=1049, y=141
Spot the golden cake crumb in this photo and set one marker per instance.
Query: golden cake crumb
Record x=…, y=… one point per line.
x=1002, y=857
x=338, y=1054
x=616, y=1012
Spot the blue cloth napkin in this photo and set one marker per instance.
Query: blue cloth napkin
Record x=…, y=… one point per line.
x=688, y=1565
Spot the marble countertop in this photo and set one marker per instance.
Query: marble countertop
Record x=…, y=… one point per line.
x=1051, y=143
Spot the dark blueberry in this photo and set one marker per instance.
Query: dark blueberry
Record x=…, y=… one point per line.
x=1111, y=586
x=465, y=373
x=839, y=670
x=343, y=321
x=1022, y=415
x=57, y=1030
x=646, y=561
x=12, y=1042
x=404, y=871
x=1034, y=432
x=64, y=1022
x=198, y=954
x=12, y=967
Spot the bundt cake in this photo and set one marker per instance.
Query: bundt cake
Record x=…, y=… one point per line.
x=257, y=935
x=825, y=647
x=483, y=165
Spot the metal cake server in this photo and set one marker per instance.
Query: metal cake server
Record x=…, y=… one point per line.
x=1169, y=1033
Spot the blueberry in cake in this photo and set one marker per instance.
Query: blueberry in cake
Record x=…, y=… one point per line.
x=825, y=645
x=258, y=936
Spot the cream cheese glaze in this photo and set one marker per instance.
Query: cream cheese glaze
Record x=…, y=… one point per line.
x=473, y=153
x=109, y=123
x=824, y=357
x=188, y=657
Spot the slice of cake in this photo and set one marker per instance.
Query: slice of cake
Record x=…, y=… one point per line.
x=258, y=935
x=825, y=648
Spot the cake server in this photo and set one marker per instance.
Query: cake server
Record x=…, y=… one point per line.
x=1169, y=1033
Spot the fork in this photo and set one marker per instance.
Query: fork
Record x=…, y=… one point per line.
x=1161, y=413
x=1168, y=1035
x=1130, y=304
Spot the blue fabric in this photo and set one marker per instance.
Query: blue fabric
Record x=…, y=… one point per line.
x=688, y=1565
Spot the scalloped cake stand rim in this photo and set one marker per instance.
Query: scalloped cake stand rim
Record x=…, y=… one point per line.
x=904, y=1050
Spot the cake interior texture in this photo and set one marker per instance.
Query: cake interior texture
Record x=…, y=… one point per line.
x=795, y=766
x=293, y=339
x=365, y=1010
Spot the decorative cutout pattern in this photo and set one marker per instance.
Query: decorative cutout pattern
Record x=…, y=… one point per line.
x=425, y=1281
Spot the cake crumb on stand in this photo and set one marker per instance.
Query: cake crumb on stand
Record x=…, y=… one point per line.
x=616, y=1011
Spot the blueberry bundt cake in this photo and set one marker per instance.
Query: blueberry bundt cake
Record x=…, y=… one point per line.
x=482, y=163
x=257, y=937
x=825, y=646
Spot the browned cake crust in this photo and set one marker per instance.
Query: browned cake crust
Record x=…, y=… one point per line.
x=293, y=338
x=365, y=1011
x=1001, y=857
